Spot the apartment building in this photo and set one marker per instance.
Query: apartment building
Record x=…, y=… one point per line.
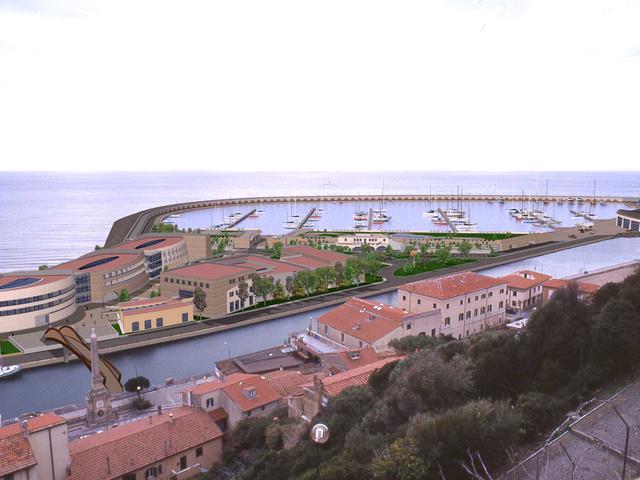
x=524, y=289
x=467, y=302
x=34, y=449
x=178, y=443
x=360, y=323
x=355, y=242
x=219, y=283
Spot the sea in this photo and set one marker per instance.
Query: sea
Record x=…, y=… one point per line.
x=52, y=217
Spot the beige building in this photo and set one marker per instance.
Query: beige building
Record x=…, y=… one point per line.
x=34, y=449
x=161, y=252
x=359, y=324
x=149, y=313
x=355, y=242
x=524, y=289
x=264, y=266
x=34, y=299
x=219, y=283
x=176, y=444
x=467, y=302
x=101, y=275
x=232, y=398
x=586, y=290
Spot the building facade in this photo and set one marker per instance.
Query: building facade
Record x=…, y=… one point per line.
x=99, y=276
x=161, y=252
x=355, y=242
x=219, y=283
x=629, y=219
x=468, y=303
x=150, y=313
x=35, y=299
x=524, y=289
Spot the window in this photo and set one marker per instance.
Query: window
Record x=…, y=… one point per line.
x=469, y=314
x=490, y=294
x=342, y=337
x=135, y=326
x=502, y=290
x=166, y=280
x=483, y=296
x=207, y=285
x=433, y=332
x=231, y=306
x=129, y=476
x=185, y=293
x=183, y=462
x=476, y=298
x=461, y=302
x=230, y=294
x=209, y=403
x=469, y=300
x=185, y=317
x=447, y=305
x=419, y=302
x=404, y=297
x=475, y=312
x=151, y=472
x=159, y=322
x=467, y=333
x=147, y=324
x=515, y=294
x=447, y=321
x=325, y=329
x=501, y=305
x=513, y=303
x=490, y=307
x=461, y=317
x=360, y=344
x=482, y=310
x=199, y=452
x=408, y=326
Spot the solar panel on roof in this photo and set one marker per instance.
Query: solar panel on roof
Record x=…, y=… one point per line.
x=97, y=263
x=19, y=282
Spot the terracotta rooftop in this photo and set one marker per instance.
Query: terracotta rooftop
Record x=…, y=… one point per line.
x=287, y=383
x=208, y=271
x=150, y=243
x=107, y=262
x=139, y=307
x=364, y=320
x=143, y=442
x=524, y=279
x=327, y=256
x=241, y=393
x=452, y=285
x=335, y=384
x=263, y=265
x=215, y=384
x=365, y=356
x=584, y=287
x=15, y=450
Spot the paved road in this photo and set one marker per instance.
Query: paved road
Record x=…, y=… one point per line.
x=154, y=337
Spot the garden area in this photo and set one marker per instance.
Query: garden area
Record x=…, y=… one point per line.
x=7, y=348
x=422, y=260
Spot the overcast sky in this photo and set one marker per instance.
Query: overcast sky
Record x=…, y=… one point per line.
x=322, y=85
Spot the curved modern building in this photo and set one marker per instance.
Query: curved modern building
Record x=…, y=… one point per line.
x=160, y=252
x=33, y=299
x=629, y=219
x=100, y=275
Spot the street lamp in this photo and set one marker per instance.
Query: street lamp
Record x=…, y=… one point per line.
x=138, y=388
x=228, y=348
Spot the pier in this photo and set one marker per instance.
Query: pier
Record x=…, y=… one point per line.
x=370, y=219
x=242, y=218
x=448, y=220
x=305, y=219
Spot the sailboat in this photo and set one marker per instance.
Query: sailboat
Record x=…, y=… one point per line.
x=9, y=370
x=379, y=215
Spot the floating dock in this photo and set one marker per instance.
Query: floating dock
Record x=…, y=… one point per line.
x=448, y=220
x=241, y=219
x=305, y=219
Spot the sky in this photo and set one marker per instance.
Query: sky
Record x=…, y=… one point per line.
x=327, y=85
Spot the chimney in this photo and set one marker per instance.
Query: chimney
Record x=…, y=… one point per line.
x=159, y=409
x=25, y=428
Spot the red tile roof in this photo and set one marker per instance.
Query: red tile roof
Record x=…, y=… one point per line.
x=208, y=271
x=335, y=384
x=518, y=281
x=364, y=320
x=306, y=262
x=15, y=449
x=215, y=384
x=452, y=285
x=287, y=383
x=239, y=393
x=132, y=446
x=139, y=307
x=121, y=260
x=259, y=262
x=218, y=414
x=366, y=356
x=584, y=287
x=328, y=256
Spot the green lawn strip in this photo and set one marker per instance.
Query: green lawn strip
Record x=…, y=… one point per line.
x=485, y=236
x=429, y=267
x=7, y=348
x=116, y=327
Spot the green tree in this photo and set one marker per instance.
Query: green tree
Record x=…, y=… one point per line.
x=123, y=296
x=443, y=254
x=277, y=250
x=399, y=461
x=388, y=250
x=279, y=293
x=288, y=285
x=199, y=299
x=97, y=247
x=243, y=292
x=43, y=267
x=355, y=269
x=264, y=287
x=137, y=385
x=308, y=279
x=325, y=276
x=464, y=248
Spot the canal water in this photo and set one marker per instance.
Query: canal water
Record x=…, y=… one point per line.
x=57, y=385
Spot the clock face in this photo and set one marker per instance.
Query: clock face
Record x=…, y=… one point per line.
x=100, y=404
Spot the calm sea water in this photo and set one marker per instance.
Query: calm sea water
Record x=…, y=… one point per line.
x=53, y=217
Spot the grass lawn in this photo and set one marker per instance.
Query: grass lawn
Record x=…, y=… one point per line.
x=116, y=327
x=430, y=267
x=6, y=348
